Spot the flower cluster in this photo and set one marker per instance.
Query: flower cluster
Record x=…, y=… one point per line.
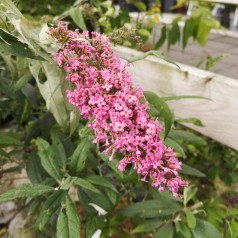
x=103, y=92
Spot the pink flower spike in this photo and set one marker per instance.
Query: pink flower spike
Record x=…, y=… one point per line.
x=102, y=89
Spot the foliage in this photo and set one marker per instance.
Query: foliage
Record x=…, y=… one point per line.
x=198, y=27
x=46, y=136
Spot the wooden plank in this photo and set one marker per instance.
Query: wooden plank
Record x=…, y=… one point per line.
x=220, y=1
x=219, y=115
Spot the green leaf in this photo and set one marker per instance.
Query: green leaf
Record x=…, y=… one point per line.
x=86, y=196
x=163, y=108
x=147, y=226
x=186, y=136
x=48, y=160
x=77, y=16
x=11, y=45
x=191, y=220
x=93, y=223
x=162, y=38
x=51, y=90
x=150, y=208
x=74, y=120
x=183, y=97
x=184, y=230
x=139, y=5
x=68, y=223
x=186, y=169
x=203, y=32
x=165, y=231
x=22, y=81
x=8, y=138
x=113, y=165
x=205, y=229
x=58, y=148
x=192, y=120
x=155, y=53
x=85, y=184
x=49, y=207
x=34, y=169
x=189, y=30
x=189, y=193
x=173, y=144
x=99, y=180
x=78, y=159
x=173, y=35
x=24, y=191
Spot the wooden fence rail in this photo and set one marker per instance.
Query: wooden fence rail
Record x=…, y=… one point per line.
x=219, y=114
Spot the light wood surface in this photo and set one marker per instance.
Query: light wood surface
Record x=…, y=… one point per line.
x=219, y=115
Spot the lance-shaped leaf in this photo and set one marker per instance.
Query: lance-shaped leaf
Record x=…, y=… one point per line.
x=8, y=138
x=85, y=184
x=151, y=208
x=165, y=231
x=47, y=157
x=173, y=144
x=155, y=53
x=163, y=109
x=77, y=16
x=49, y=207
x=205, y=229
x=102, y=181
x=79, y=157
x=68, y=224
x=51, y=91
x=24, y=191
x=186, y=169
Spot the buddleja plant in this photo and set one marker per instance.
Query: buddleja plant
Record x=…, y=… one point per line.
x=86, y=171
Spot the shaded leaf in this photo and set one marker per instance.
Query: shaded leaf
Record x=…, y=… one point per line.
x=191, y=220
x=163, y=109
x=51, y=91
x=34, y=169
x=162, y=38
x=189, y=193
x=49, y=207
x=147, y=226
x=186, y=136
x=78, y=159
x=150, y=208
x=205, y=229
x=8, y=138
x=174, y=145
x=165, y=231
x=85, y=184
x=99, y=180
x=47, y=157
x=23, y=81
x=186, y=169
x=173, y=35
x=73, y=219
x=68, y=223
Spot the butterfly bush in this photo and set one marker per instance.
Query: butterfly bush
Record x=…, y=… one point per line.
x=103, y=93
